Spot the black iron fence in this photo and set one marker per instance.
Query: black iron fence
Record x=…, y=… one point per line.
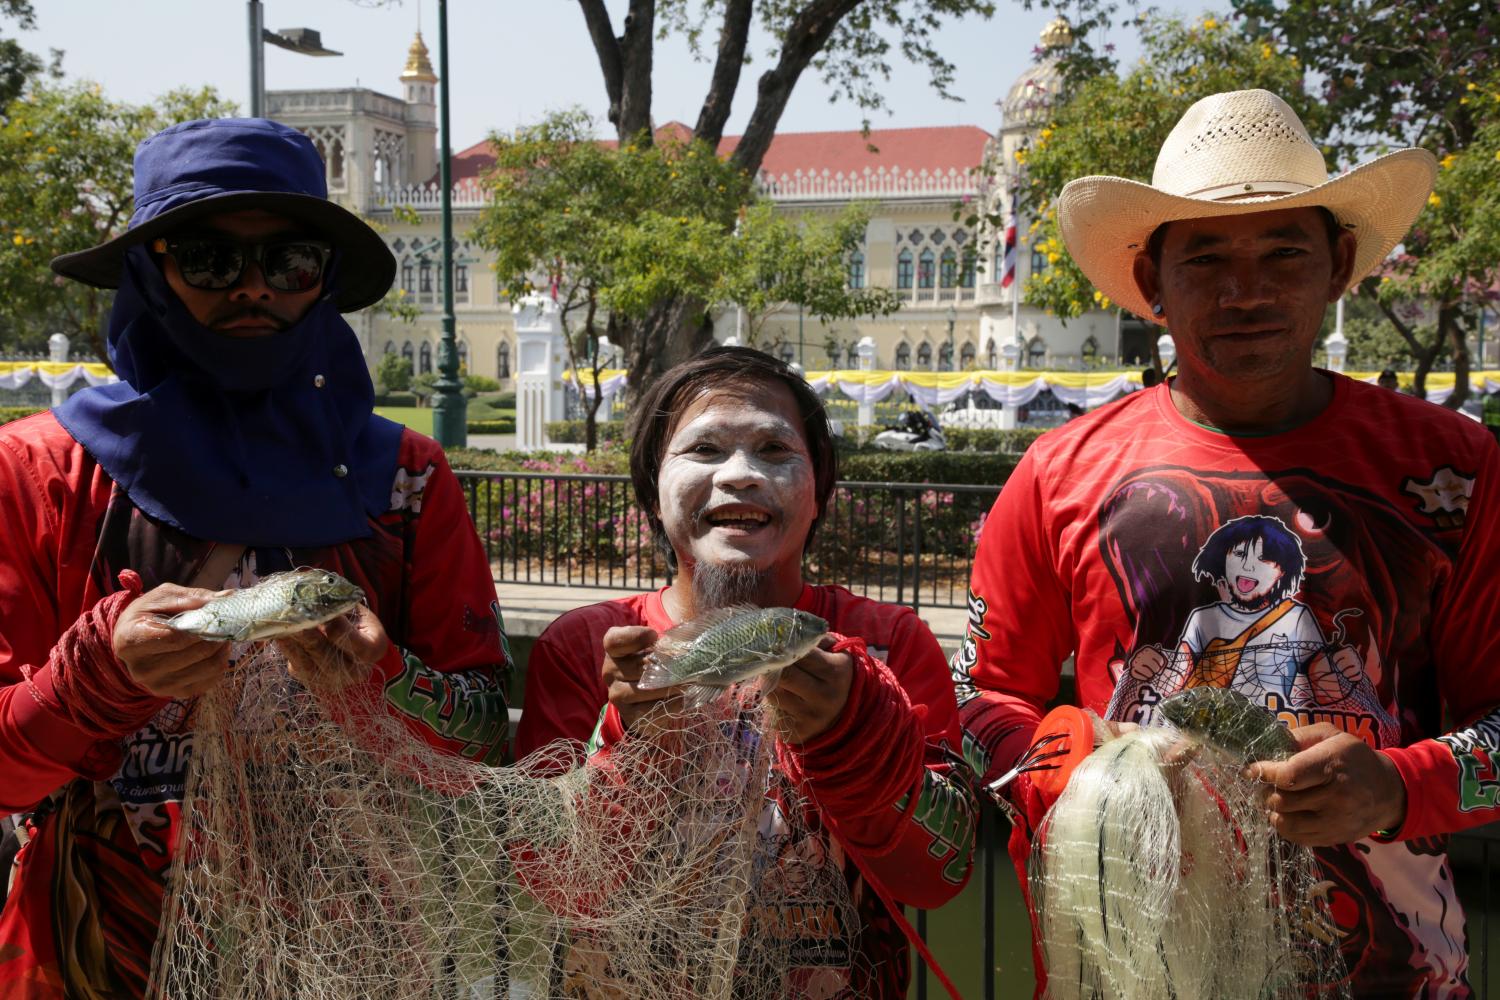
x=909, y=543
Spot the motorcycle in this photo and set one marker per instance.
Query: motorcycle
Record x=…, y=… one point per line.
x=917, y=431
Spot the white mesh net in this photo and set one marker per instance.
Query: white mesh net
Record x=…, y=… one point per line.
x=1156, y=875
x=318, y=865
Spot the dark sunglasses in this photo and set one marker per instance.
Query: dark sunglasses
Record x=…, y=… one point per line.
x=214, y=263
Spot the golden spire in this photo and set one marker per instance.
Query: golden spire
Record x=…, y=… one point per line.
x=1057, y=35
x=418, y=66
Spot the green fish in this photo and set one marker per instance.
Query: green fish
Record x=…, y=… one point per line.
x=280, y=604
x=1228, y=720
x=728, y=645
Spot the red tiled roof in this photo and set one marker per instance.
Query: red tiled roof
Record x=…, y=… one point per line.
x=941, y=147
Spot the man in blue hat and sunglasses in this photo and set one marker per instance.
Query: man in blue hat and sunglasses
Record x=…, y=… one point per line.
x=240, y=441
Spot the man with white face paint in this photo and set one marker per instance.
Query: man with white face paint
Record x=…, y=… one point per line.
x=734, y=466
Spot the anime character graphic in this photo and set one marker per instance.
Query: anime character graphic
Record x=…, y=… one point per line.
x=1258, y=638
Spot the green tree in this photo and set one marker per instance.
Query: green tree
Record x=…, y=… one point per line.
x=17, y=66
x=849, y=43
x=611, y=233
x=393, y=372
x=1413, y=74
x=1116, y=124
x=65, y=185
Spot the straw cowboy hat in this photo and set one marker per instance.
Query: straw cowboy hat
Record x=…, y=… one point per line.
x=1235, y=154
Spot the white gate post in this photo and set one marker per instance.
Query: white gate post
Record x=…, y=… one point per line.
x=57, y=350
x=866, y=349
x=539, y=345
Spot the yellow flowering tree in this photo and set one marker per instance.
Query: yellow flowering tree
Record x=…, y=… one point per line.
x=65, y=185
x=1116, y=123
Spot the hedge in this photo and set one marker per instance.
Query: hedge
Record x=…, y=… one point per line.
x=605, y=461
x=1013, y=441
x=572, y=431
x=491, y=426
x=978, y=468
x=396, y=399
x=9, y=413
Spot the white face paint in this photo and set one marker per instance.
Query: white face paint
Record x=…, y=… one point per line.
x=736, y=485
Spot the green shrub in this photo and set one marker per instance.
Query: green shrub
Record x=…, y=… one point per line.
x=606, y=461
x=1013, y=441
x=572, y=431
x=9, y=413
x=492, y=426
x=504, y=400
x=395, y=399
x=980, y=468
x=475, y=384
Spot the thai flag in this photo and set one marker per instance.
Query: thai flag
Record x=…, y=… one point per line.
x=1008, y=270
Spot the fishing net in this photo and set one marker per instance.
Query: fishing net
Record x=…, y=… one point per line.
x=318, y=864
x=1156, y=875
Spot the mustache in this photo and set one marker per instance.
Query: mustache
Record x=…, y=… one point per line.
x=231, y=313
x=701, y=514
x=1233, y=322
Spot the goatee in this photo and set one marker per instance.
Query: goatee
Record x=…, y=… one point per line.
x=719, y=586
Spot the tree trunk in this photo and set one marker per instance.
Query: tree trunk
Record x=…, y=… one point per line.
x=1458, y=343
x=671, y=333
x=1425, y=355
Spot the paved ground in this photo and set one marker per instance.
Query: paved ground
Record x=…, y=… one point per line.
x=529, y=608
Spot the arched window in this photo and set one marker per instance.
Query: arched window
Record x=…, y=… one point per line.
x=336, y=162
x=903, y=357
x=966, y=276
x=945, y=357
x=1090, y=350
x=390, y=347
x=409, y=354
x=408, y=277
x=903, y=269
x=424, y=363
x=994, y=355
x=835, y=355
x=461, y=282
x=924, y=357
x=1036, y=352
x=948, y=275
x=463, y=357
x=788, y=353
x=502, y=359
x=925, y=269
x=857, y=270
x=966, y=356
x=1038, y=262
x=424, y=273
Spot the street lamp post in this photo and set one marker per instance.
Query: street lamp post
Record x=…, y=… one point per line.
x=303, y=40
x=449, y=408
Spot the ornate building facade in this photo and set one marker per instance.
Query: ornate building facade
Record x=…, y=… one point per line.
x=957, y=312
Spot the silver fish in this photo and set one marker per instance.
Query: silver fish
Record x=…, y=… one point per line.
x=729, y=645
x=280, y=604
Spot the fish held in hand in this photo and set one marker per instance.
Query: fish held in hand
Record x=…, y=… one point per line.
x=278, y=605
x=1226, y=719
x=726, y=646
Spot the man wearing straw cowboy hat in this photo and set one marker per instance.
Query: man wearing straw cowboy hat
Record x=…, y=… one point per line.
x=240, y=441
x=1371, y=627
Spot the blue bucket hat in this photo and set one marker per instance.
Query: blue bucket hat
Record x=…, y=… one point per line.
x=202, y=168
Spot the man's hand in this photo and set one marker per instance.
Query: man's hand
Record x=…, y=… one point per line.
x=336, y=653
x=625, y=651
x=811, y=693
x=1148, y=662
x=1335, y=790
x=161, y=660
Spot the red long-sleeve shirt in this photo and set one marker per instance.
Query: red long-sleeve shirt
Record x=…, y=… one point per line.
x=1342, y=572
x=929, y=846
x=86, y=892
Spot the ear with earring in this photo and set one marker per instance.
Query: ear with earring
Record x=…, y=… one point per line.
x=1156, y=309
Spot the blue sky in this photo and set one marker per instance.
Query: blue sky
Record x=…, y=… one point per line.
x=512, y=61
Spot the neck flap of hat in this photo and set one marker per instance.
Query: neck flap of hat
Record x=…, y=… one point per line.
x=263, y=441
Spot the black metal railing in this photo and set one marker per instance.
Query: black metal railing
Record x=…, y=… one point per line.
x=910, y=543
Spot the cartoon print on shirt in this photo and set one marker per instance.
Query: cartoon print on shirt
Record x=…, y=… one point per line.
x=1257, y=638
x=1261, y=582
